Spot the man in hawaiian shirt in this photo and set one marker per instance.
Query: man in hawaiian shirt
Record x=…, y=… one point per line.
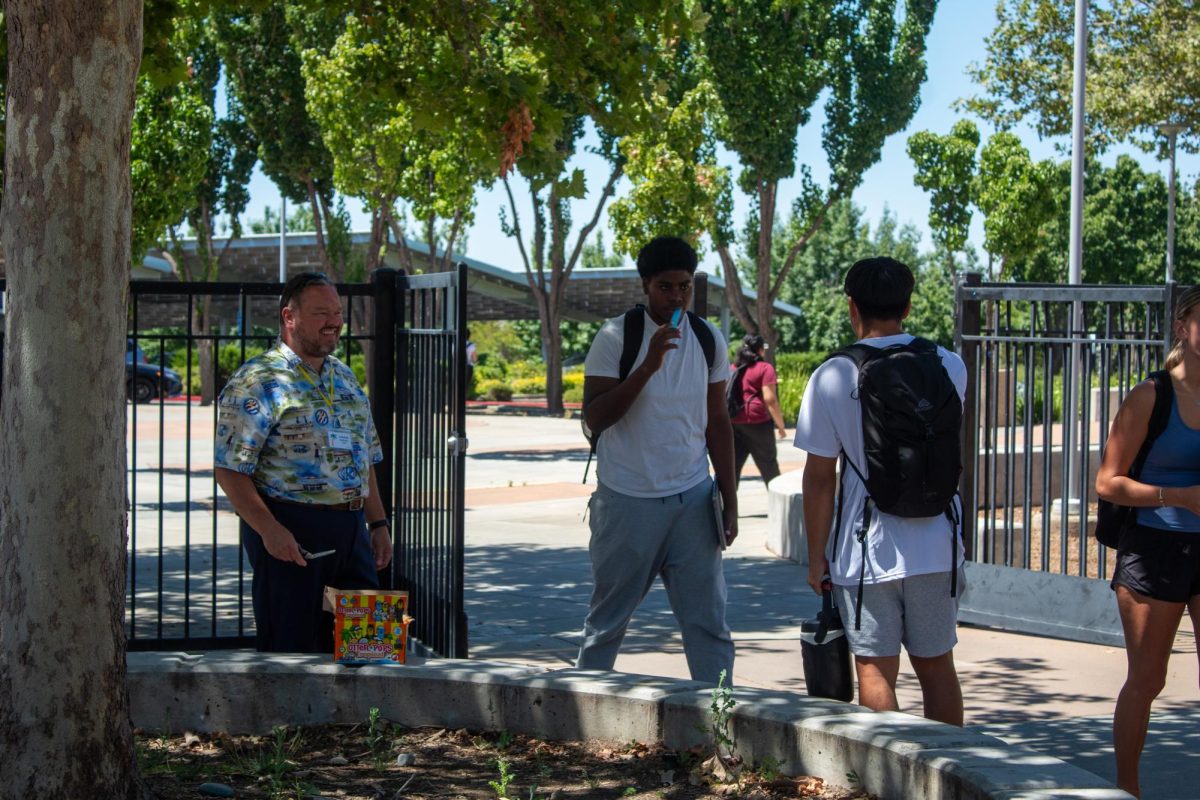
x=295, y=445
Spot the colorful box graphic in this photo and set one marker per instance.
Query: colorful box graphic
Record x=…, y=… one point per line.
x=370, y=626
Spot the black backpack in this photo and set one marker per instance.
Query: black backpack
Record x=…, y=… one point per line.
x=735, y=395
x=631, y=344
x=911, y=420
x=1111, y=518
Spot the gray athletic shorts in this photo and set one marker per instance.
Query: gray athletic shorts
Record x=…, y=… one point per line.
x=917, y=612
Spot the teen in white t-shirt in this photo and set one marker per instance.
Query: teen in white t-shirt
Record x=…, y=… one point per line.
x=830, y=421
x=905, y=599
x=652, y=513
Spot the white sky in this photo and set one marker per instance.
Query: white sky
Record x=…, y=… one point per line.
x=955, y=40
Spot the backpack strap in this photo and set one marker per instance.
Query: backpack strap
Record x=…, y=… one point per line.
x=862, y=574
x=704, y=335
x=635, y=328
x=1164, y=396
x=631, y=342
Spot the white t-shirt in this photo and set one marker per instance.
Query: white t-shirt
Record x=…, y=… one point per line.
x=830, y=420
x=658, y=448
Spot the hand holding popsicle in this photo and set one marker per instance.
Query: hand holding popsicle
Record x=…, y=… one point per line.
x=662, y=341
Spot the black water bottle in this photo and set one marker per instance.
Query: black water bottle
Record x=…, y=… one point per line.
x=826, y=653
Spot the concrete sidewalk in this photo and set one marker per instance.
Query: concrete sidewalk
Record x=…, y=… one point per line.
x=528, y=582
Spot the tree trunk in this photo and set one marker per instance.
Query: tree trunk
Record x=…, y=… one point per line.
x=764, y=303
x=64, y=703
x=202, y=326
x=320, y=211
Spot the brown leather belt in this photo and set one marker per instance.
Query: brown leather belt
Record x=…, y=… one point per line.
x=354, y=505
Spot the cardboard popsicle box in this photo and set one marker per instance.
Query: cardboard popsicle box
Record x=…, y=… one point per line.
x=370, y=626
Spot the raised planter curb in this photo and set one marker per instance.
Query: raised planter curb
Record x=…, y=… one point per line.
x=894, y=755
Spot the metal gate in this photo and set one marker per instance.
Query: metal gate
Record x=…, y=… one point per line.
x=1048, y=366
x=188, y=581
x=425, y=479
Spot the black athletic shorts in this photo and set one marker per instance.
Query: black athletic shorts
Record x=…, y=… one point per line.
x=1163, y=565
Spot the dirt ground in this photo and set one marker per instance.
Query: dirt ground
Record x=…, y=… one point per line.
x=360, y=761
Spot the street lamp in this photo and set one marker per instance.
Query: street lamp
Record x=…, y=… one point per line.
x=1171, y=130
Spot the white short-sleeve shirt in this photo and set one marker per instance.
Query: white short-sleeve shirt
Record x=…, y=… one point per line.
x=658, y=448
x=829, y=422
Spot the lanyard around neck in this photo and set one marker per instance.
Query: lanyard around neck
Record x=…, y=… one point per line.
x=315, y=379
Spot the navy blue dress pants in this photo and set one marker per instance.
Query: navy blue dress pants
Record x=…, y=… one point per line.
x=288, y=616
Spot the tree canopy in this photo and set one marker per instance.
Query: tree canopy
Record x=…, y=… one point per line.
x=1141, y=65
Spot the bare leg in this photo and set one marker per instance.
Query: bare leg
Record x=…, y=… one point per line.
x=877, y=681
x=940, y=688
x=1150, y=627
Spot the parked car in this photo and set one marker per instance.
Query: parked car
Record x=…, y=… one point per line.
x=145, y=381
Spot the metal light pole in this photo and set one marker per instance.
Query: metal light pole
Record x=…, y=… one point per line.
x=1072, y=484
x=282, y=239
x=1171, y=130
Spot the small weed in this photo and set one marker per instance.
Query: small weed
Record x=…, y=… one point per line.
x=720, y=716
x=506, y=776
x=852, y=777
x=504, y=740
x=272, y=763
x=768, y=768
x=153, y=758
x=590, y=780
x=630, y=791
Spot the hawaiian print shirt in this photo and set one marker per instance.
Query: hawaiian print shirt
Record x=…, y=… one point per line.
x=301, y=436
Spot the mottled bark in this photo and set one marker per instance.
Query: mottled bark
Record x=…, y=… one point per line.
x=64, y=706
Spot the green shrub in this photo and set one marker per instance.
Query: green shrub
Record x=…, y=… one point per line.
x=573, y=394
x=229, y=358
x=793, y=371
x=529, y=385
x=533, y=368
x=573, y=380
x=494, y=390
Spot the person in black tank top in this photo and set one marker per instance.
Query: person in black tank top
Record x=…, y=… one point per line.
x=1157, y=574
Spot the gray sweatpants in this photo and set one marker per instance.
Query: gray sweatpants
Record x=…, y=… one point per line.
x=636, y=539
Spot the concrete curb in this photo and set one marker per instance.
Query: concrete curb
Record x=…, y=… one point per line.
x=894, y=755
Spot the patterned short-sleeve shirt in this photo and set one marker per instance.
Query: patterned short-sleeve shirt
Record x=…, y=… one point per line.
x=301, y=436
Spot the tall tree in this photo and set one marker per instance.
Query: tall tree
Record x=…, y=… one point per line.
x=550, y=256
x=172, y=132
x=946, y=169
x=261, y=50
x=867, y=57
x=635, y=39
x=1142, y=68
x=1017, y=198
x=220, y=196
x=64, y=710
x=381, y=151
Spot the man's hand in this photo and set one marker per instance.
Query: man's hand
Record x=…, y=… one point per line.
x=381, y=546
x=281, y=544
x=660, y=342
x=818, y=576
x=731, y=525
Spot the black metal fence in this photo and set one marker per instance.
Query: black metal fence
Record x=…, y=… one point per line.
x=188, y=584
x=1048, y=366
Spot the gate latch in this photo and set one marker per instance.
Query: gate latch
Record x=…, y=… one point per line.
x=457, y=444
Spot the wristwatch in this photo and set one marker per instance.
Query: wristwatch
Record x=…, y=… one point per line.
x=379, y=523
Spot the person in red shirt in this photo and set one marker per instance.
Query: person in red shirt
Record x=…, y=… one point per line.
x=761, y=418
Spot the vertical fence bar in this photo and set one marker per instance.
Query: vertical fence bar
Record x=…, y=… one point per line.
x=383, y=392
x=967, y=324
x=458, y=485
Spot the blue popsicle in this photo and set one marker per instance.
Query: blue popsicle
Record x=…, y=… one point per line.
x=675, y=317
